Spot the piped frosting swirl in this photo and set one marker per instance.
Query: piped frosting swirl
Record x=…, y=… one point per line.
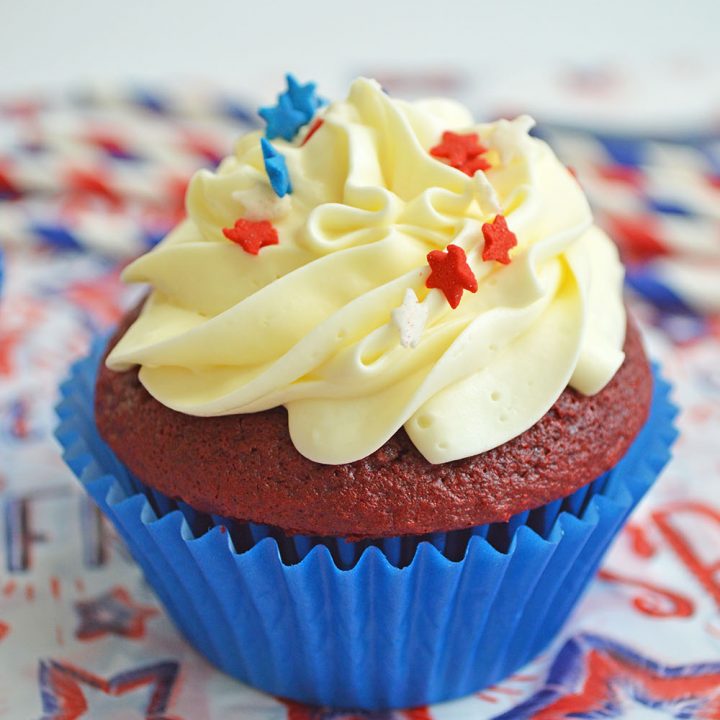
x=308, y=323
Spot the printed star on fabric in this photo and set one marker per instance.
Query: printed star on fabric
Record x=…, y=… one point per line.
x=410, y=319
x=463, y=152
x=499, y=240
x=276, y=169
x=63, y=698
x=252, y=235
x=595, y=677
x=450, y=273
x=283, y=120
x=113, y=613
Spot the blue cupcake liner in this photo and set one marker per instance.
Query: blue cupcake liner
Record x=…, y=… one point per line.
x=394, y=623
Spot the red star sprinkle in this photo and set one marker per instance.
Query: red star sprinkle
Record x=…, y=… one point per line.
x=450, y=273
x=463, y=152
x=252, y=234
x=499, y=239
x=313, y=129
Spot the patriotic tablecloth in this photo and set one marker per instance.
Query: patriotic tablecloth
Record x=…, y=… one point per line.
x=88, y=181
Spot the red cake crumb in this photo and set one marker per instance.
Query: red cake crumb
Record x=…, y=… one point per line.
x=246, y=467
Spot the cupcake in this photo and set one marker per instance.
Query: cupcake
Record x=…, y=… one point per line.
x=382, y=410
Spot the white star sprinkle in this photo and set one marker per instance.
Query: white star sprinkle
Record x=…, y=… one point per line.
x=410, y=319
x=510, y=137
x=261, y=203
x=485, y=193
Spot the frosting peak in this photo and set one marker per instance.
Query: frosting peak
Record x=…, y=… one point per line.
x=315, y=322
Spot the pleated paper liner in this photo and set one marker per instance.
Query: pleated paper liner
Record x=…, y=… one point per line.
x=374, y=625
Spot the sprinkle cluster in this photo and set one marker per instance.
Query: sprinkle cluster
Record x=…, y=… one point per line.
x=295, y=108
x=449, y=269
x=450, y=272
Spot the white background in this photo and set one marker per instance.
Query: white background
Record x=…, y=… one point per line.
x=239, y=44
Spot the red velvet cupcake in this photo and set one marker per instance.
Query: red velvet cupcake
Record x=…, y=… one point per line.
x=382, y=411
x=245, y=467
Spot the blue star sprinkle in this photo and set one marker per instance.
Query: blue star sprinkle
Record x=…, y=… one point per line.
x=283, y=120
x=295, y=108
x=303, y=97
x=276, y=169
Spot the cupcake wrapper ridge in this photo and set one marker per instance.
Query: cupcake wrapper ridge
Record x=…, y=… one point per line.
x=394, y=623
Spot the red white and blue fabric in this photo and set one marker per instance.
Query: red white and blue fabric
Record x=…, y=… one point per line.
x=660, y=201
x=106, y=170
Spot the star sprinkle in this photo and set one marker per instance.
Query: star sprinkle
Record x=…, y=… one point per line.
x=303, y=97
x=463, y=152
x=261, y=203
x=313, y=129
x=450, y=273
x=252, y=235
x=283, y=120
x=276, y=169
x=499, y=240
x=510, y=137
x=295, y=108
x=410, y=319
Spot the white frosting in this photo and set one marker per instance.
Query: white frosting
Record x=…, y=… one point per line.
x=308, y=323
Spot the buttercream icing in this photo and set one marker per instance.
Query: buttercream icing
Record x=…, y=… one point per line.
x=311, y=323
